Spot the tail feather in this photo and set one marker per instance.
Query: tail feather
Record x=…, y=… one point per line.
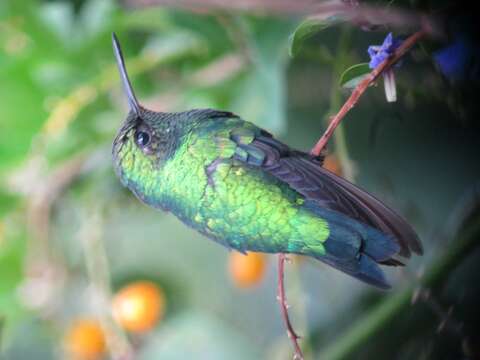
x=380, y=247
x=357, y=203
x=380, y=216
x=356, y=248
x=370, y=272
x=392, y=262
x=364, y=269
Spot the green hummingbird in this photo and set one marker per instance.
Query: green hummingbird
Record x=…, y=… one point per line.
x=237, y=185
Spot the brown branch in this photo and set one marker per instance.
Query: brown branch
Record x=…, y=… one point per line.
x=360, y=89
x=282, y=299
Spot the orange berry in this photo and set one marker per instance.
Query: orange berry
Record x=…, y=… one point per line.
x=247, y=270
x=139, y=306
x=85, y=340
x=332, y=164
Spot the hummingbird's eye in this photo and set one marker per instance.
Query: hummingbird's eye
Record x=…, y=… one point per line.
x=142, y=138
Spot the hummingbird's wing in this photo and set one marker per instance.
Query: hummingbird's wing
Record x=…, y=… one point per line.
x=304, y=173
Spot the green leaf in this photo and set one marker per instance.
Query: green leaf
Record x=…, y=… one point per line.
x=354, y=75
x=306, y=30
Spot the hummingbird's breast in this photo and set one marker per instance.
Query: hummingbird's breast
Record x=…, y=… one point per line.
x=236, y=205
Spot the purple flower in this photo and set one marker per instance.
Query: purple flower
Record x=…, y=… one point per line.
x=378, y=53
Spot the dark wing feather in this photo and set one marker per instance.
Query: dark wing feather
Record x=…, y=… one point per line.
x=303, y=172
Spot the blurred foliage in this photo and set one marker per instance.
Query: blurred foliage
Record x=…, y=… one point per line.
x=64, y=215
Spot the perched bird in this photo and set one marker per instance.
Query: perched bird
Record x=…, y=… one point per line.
x=236, y=184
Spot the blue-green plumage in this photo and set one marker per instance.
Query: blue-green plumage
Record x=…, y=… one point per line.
x=236, y=184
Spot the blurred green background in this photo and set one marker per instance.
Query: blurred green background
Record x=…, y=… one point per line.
x=71, y=236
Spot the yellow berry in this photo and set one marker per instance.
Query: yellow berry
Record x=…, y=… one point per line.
x=247, y=270
x=85, y=340
x=139, y=306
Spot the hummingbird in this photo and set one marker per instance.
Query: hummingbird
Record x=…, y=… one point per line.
x=236, y=184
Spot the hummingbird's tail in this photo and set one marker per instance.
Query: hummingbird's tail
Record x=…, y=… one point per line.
x=356, y=248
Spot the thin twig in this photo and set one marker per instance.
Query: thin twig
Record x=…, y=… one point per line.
x=284, y=307
x=360, y=89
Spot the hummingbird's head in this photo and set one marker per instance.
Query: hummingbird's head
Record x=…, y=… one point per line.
x=144, y=142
